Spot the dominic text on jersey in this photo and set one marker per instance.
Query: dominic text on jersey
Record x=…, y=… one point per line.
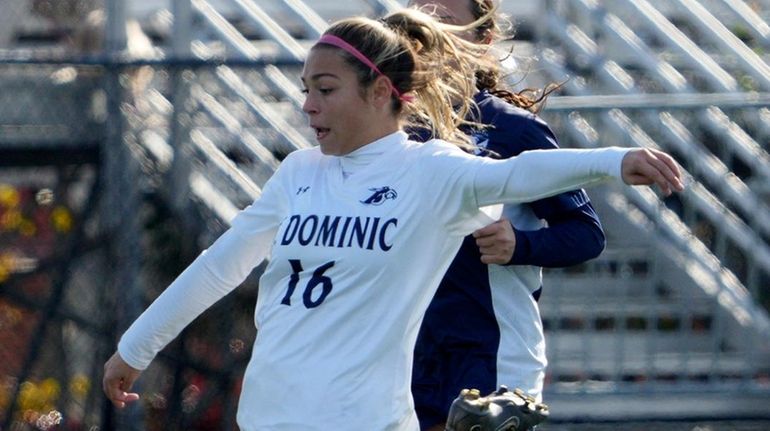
x=337, y=231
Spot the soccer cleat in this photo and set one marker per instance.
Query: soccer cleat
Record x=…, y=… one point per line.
x=501, y=410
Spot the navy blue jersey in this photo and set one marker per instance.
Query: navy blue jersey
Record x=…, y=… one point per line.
x=483, y=327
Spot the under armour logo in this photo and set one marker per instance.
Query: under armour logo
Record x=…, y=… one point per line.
x=302, y=190
x=380, y=195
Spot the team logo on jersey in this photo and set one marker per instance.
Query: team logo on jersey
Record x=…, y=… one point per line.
x=302, y=190
x=380, y=195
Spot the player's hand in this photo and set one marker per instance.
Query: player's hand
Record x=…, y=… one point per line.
x=645, y=166
x=118, y=379
x=496, y=242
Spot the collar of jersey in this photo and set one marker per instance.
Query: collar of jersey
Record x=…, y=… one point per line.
x=371, y=153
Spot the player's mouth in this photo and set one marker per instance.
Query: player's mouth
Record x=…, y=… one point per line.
x=321, y=132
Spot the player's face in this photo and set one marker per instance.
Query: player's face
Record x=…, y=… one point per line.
x=339, y=110
x=456, y=12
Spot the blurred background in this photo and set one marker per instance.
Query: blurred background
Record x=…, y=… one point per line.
x=132, y=132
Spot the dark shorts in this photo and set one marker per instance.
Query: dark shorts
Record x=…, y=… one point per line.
x=442, y=368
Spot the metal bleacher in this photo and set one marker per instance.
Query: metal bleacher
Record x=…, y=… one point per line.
x=673, y=304
x=685, y=277
x=678, y=302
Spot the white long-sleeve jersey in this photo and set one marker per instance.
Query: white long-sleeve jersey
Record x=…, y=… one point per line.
x=357, y=245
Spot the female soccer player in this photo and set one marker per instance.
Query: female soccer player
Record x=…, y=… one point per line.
x=359, y=231
x=501, y=340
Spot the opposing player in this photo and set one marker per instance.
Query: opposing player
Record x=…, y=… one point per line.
x=500, y=339
x=359, y=231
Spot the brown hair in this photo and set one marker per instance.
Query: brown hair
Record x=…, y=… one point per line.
x=489, y=30
x=421, y=57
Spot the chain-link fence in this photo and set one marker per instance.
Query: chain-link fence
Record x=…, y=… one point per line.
x=83, y=226
x=47, y=321
x=89, y=237
x=52, y=261
x=87, y=240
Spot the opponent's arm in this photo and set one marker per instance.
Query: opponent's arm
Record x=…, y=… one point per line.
x=572, y=236
x=573, y=233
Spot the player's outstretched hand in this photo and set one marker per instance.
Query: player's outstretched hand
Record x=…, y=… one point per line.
x=645, y=166
x=119, y=377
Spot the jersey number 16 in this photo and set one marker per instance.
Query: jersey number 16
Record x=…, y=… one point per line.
x=317, y=279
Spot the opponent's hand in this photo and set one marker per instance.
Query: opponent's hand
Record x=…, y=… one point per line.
x=118, y=379
x=496, y=242
x=645, y=166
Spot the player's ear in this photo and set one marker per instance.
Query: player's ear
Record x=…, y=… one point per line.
x=381, y=91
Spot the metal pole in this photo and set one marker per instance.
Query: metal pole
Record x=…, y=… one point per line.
x=120, y=199
x=177, y=190
x=180, y=44
x=115, y=27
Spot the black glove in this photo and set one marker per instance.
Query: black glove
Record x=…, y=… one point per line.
x=501, y=410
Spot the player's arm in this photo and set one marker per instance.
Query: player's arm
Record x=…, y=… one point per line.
x=201, y=285
x=535, y=175
x=460, y=184
x=213, y=274
x=531, y=172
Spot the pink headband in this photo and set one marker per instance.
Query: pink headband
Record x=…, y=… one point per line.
x=350, y=49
